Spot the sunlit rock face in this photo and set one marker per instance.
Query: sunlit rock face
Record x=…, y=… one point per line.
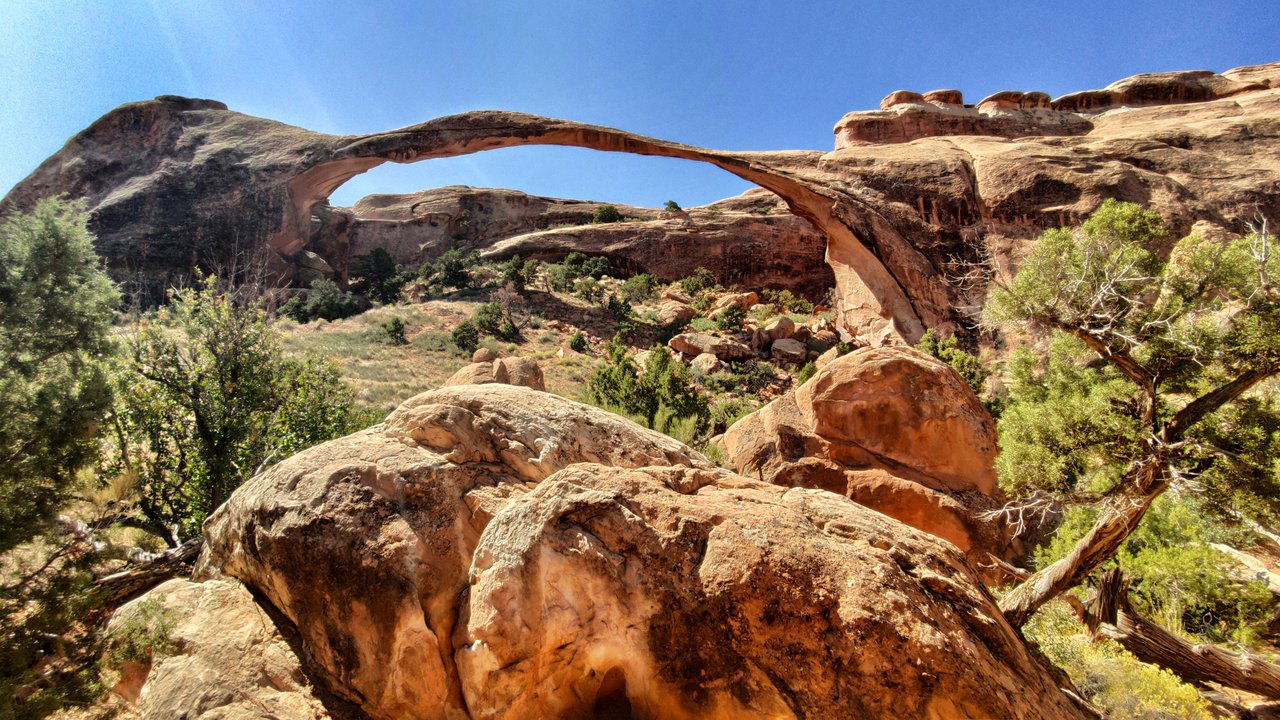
x=916, y=206
x=493, y=551
x=892, y=429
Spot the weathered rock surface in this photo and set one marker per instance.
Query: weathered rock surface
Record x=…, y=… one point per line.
x=696, y=343
x=455, y=562
x=230, y=661
x=787, y=350
x=912, y=196
x=683, y=593
x=508, y=371
x=365, y=542
x=891, y=428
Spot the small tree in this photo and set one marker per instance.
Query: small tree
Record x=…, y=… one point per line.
x=671, y=206
x=394, y=330
x=381, y=276
x=206, y=400
x=606, y=214
x=56, y=307
x=466, y=336
x=1178, y=345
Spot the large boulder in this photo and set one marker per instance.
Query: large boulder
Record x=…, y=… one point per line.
x=225, y=659
x=891, y=428
x=695, y=343
x=455, y=562
x=365, y=542
x=683, y=593
x=507, y=371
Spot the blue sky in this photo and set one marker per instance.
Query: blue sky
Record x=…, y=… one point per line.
x=732, y=75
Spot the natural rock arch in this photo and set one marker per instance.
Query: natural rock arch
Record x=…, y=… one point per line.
x=867, y=289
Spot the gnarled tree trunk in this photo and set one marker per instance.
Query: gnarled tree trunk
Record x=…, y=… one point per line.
x=1110, y=615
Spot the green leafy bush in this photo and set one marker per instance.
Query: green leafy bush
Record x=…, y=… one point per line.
x=381, y=279
x=206, y=399
x=662, y=397
x=787, y=301
x=671, y=206
x=1108, y=676
x=54, y=389
x=466, y=336
x=588, y=289
x=948, y=351
x=701, y=279
x=606, y=214
x=578, y=342
x=451, y=269
x=638, y=288
x=730, y=318
x=326, y=301
x=596, y=267
x=394, y=331
x=805, y=373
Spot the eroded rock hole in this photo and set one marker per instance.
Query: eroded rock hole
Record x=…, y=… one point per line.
x=611, y=699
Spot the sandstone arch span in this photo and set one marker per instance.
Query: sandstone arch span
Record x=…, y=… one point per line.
x=874, y=303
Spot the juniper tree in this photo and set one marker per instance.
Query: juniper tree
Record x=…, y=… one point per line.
x=1178, y=338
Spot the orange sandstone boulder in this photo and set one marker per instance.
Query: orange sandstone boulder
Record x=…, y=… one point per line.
x=508, y=371
x=891, y=428
x=494, y=552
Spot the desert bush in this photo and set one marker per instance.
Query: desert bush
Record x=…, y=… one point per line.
x=578, y=342
x=730, y=318
x=145, y=635
x=606, y=214
x=393, y=330
x=787, y=301
x=466, y=336
x=969, y=367
x=638, y=288
x=381, y=279
x=701, y=279
x=205, y=399
x=326, y=301
x=54, y=388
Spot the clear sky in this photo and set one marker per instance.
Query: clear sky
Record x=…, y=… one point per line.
x=732, y=75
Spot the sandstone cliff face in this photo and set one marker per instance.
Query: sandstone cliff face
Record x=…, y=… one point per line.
x=913, y=198
x=493, y=551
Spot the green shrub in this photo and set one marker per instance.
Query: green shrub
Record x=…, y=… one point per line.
x=730, y=318
x=451, y=269
x=381, y=280
x=203, y=407
x=786, y=301
x=560, y=277
x=394, y=331
x=671, y=206
x=588, y=289
x=638, y=288
x=147, y=634
x=326, y=301
x=596, y=267
x=1107, y=675
x=948, y=351
x=663, y=397
x=489, y=319
x=606, y=214
x=805, y=373
x=701, y=279
x=578, y=342
x=726, y=412
x=466, y=336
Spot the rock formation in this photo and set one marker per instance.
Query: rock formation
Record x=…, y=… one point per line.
x=227, y=662
x=492, y=551
x=510, y=371
x=750, y=240
x=890, y=428
x=914, y=199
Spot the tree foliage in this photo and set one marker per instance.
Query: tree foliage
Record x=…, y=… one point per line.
x=325, y=301
x=56, y=308
x=1153, y=386
x=381, y=278
x=206, y=399
x=661, y=396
